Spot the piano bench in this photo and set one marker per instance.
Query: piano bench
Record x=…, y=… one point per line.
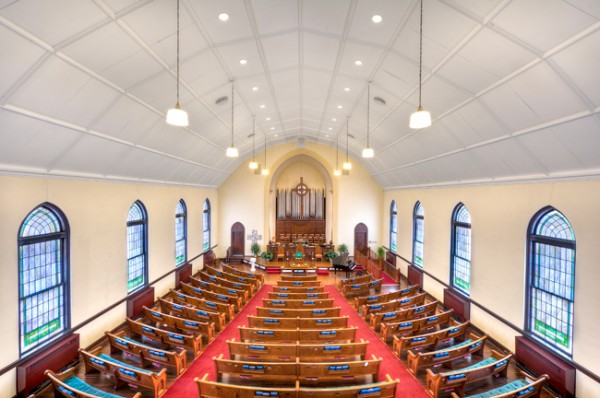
x=322, y=271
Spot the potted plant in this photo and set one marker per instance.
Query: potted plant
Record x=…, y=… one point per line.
x=342, y=248
x=329, y=255
x=255, y=248
x=380, y=255
x=268, y=256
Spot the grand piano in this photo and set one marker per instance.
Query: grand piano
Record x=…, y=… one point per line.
x=342, y=263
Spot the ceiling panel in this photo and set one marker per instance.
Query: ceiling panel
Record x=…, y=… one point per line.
x=275, y=15
x=328, y=17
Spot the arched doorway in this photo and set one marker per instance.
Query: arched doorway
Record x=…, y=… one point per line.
x=361, y=238
x=236, y=249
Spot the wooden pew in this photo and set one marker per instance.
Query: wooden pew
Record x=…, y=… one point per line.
x=298, y=313
x=295, y=283
x=293, y=277
x=375, y=319
x=360, y=289
x=302, y=335
x=298, y=296
x=208, y=295
x=384, y=389
x=206, y=329
x=68, y=385
x=299, y=289
x=124, y=373
x=203, y=304
x=247, y=279
x=525, y=386
x=190, y=312
x=298, y=304
x=429, y=339
x=247, y=288
x=165, y=337
x=238, y=272
x=394, y=305
x=474, y=345
x=456, y=380
x=271, y=352
x=219, y=289
x=385, y=297
x=147, y=354
x=302, y=323
x=352, y=281
x=307, y=373
x=410, y=327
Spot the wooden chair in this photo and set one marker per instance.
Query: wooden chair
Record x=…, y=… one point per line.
x=280, y=253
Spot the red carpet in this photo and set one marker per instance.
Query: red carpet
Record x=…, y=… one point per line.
x=388, y=280
x=184, y=386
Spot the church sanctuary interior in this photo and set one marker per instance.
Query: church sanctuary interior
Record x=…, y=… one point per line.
x=300, y=198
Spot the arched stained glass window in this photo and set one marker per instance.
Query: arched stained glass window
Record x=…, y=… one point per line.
x=206, y=226
x=393, y=225
x=180, y=233
x=460, y=263
x=137, y=246
x=551, y=279
x=418, y=234
x=43, y=277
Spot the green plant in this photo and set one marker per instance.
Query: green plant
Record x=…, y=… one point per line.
x=342, y=248
x=329, y=255
x=380, y=252
x=267, y=256
x=255, y=249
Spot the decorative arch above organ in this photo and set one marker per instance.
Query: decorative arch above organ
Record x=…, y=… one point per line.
x=300, y=213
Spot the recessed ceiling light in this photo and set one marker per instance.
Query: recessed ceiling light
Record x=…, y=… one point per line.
x=243, y=61
x=275, y=135
x=223, y=16
x=339, y=107
x=326, y=135
x=255, y=88
x=272, y=128
x=376, y=18
x=267, y=119
x=358, y=62
x=330, y=128
x=334, y=120
x=346, y=89
x=263, y=106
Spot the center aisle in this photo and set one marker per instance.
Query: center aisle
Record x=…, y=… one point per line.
x=184, y=386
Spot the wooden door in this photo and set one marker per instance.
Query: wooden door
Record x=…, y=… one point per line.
x=361, y=238
x=237, y=238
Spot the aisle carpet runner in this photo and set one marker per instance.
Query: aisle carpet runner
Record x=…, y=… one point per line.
x=184, y=386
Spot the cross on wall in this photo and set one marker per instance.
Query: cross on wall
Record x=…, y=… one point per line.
x=254, y=236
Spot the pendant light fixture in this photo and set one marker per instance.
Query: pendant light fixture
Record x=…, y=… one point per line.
x=265, y=170
x=420, y=118
x=232, y=152
x=177, y=116
x=368, y=152
x=347, y=165
x=337, y=172
x=253, y=165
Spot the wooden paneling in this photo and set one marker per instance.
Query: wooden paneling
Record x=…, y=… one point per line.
x=299, y=227
x=183, y=274
x=390, y=258
x=415, y=276
x=136, y=303
x=30, y=373
x=361, y=238
x=541, y=361
x=460, y=304
x=237, y=239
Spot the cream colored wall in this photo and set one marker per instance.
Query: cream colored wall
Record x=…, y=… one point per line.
x=500, y=215
x=246, y=194
x=97, y=214
x=291, y=176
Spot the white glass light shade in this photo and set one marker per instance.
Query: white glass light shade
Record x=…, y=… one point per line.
x=253, y=165
x=347, y=166
x=265, y=172
x=337, y=172
x=232, y=152
x=177, y=117
x=368, y=153
x=420, y=119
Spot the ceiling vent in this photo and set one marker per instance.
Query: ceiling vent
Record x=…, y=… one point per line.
x=222, y=100
x=379, y=101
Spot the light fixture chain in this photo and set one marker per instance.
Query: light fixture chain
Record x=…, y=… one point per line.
x=253, y=136
x=347, y=135
x=420, y=52
x=232, y=111
x=178, y=52
x=368, y=111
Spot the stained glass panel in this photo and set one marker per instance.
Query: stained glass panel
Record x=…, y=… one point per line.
x=136, y=246
x=461, y=249
x=180, y=233
x=418, y=237
x=206, y=226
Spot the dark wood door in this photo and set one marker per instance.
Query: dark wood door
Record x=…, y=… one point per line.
x=361, y=238
x=237, y=238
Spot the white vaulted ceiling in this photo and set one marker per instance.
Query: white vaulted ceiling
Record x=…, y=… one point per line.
x=513, y=86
